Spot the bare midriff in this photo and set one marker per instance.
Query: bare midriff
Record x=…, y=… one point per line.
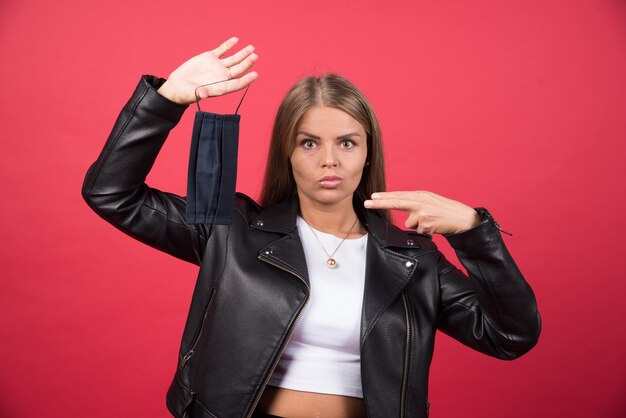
x=297, y=404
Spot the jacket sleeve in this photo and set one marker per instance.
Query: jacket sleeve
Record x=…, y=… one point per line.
x=494, y=311
x=115, y=188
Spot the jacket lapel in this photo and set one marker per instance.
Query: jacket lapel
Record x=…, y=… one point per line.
x=387, y=271
x=286, y=251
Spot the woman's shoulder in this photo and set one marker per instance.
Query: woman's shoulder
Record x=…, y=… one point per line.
x=246, y=206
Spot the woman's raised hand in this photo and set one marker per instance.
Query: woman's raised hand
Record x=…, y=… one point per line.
x=428, y=212
x=210, y=67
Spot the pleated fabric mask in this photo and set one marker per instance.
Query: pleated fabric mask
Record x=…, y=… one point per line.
x=212, y=173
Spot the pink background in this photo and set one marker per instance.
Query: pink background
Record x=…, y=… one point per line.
x=518, y=106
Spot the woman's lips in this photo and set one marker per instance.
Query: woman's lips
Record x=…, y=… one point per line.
x=330, y=182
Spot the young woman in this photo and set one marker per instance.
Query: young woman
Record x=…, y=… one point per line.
x=313, y=304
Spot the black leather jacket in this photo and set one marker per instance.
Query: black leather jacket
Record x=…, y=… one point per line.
x=253, y=286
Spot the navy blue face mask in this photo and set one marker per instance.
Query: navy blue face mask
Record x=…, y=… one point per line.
x=212, y=174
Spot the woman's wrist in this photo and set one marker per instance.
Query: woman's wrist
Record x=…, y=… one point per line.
x=166, y=91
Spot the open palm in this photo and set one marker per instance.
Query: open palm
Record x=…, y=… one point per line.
x=229, y=74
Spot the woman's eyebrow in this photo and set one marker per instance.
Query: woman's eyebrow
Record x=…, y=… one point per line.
x=305, y=133
x=348, y=136
x=345, y=136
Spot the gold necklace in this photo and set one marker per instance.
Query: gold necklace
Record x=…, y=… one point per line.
x=331, y=263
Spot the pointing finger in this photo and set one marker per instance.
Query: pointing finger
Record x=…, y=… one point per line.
x=398, y=195
x=396, y=204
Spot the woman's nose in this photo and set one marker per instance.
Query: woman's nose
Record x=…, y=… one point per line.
x=329, y=159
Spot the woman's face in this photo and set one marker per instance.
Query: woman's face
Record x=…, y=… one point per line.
x=329, y=156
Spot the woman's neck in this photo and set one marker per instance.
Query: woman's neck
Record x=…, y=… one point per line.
x=332, y=219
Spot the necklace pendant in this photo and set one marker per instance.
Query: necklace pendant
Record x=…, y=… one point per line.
x=331, y=263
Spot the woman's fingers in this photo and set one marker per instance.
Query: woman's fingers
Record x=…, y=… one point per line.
x=243, y=66
x=234, y=77
x=241, y=82
x=387, y=195
x=405, y=201
x=392, y=203
x=235, y=69
x=428, y=212
x=413, y=222
x=238, y=57
x=227, y=86
x=224, y=47
x=418, y=219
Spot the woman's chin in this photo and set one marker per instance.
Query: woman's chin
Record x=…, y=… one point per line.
x=328, y=197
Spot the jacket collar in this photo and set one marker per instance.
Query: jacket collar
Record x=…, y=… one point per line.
x=279, y=218
x=282, y=218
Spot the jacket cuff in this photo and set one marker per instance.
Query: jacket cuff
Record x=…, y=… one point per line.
x=486, y=233
x=158, y=104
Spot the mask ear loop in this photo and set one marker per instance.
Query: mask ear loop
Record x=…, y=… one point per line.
x=242, y=97
x=195, y=92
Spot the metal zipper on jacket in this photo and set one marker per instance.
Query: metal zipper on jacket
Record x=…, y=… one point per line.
x=289, y=334
x=190, y=352
x=500, y=229
x=484, y=212
x=407, y=346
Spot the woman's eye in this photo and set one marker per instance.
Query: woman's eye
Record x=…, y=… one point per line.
x=308, y=144
x=347, y=144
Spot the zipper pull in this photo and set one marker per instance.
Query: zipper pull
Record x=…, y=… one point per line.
x=185, y=360
x=501, y=230
x=484, y=214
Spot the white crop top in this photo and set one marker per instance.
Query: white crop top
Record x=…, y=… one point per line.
x=323, y=353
